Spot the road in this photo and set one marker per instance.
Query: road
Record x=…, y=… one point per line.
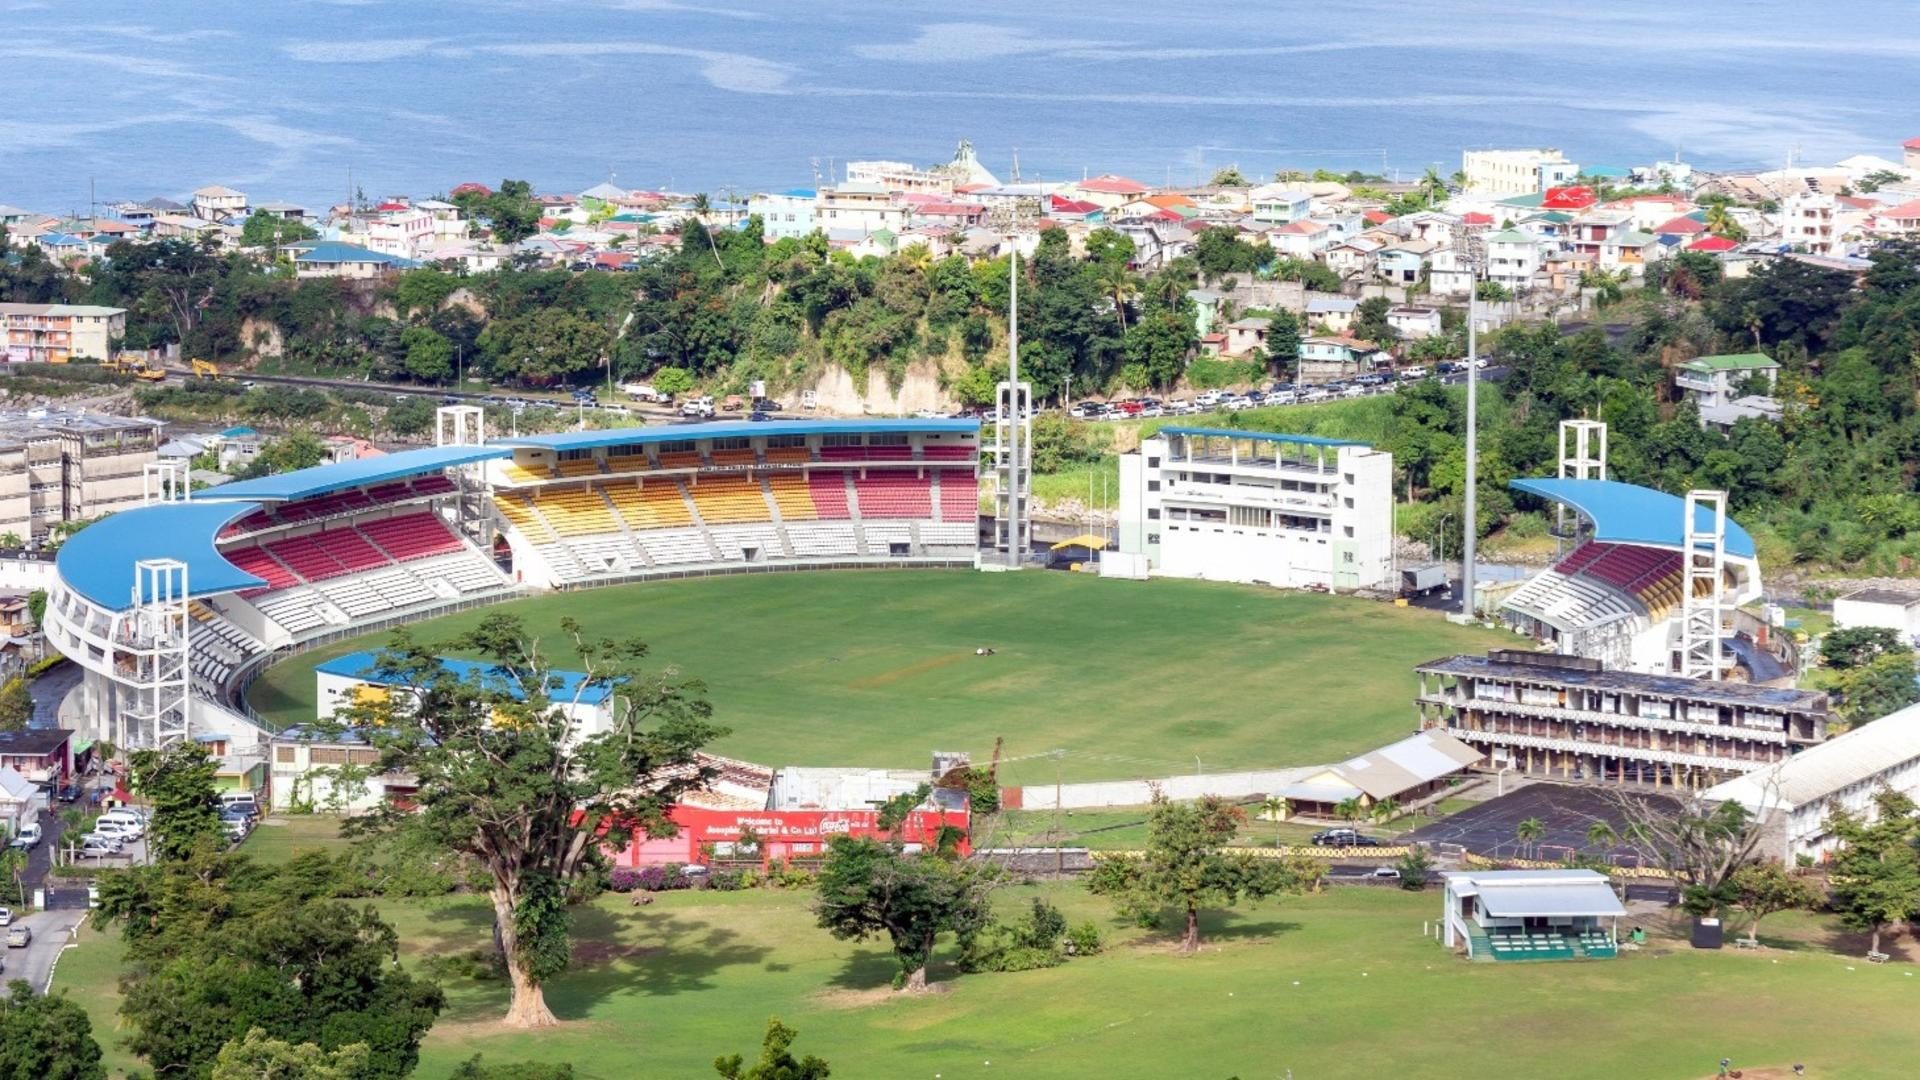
x=49, y=690
x=51, y=932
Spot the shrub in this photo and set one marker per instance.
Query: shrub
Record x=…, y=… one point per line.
x=668, y=878
x=1084, y=940
x=728, y=880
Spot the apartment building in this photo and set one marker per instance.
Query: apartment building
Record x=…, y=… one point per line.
x=859, y=208
x=62, y=465
x=57, y=333
x=1569, y=718
x=1515, y=172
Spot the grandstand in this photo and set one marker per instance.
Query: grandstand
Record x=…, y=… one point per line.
x=1619, y=592
x=173, y=606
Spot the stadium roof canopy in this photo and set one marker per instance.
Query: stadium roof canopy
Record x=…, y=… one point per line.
x=1259, y=436
x=564, y=687
x=1630, y=514
x=321, y=479
x=723, y=429
x=97, y=562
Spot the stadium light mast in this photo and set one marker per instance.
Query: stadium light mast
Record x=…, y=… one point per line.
x=1471, y=519
x=1013, y=443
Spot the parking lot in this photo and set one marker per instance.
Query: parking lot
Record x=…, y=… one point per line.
x=1278, y=394
x=1566, y=812
x=51, y=932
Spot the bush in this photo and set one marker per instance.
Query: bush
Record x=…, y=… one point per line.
x=668, y=878
x=728, y=880
x=1084, y=940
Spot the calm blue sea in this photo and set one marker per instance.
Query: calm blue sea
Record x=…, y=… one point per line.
x=282, y=97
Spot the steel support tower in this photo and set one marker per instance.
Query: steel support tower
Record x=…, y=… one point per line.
x=1583, y=456
x=152, y=656
x=1703, y=598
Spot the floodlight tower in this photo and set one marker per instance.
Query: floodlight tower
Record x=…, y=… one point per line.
x=1013, y=439
x=167, y=480
x=152, y=655
x=466, y=425
x=1703, y=599
x=1583, y=456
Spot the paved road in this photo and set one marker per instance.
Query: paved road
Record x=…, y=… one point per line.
x=51, y=932
x=49, y=690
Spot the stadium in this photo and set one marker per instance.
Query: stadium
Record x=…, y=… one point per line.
x=171, y=607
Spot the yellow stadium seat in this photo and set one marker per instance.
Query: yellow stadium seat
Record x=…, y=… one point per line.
x=788, y=455
x=681, y=459
x=729, y=500
x=731, y=458
x=520, y=474
x=523, y=518
x=792, y=495
x=580, y=467
x=626, y=463
x=658, y=505
x=576, y=511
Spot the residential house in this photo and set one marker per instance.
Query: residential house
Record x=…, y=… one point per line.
x=1064, y=209
x=1324, y=359
x=1450, y=273
x=1630, y=250
x=1591, y=231
x=237, y=447
x=900, y=176
x=1820, y=224
x=11, y=216
x=962, y=215
x=1206, y=310
x=1414, y=323
x=216, y=203
x=862, y=208
x=1246, y=335
x=1718, y=380
x=784, y=214
x=1714, y=245
x=1155, y=243
x=343, y=448
x=1910, y=153
x=42, y=755
x=56, y=333
x=21, y=803
x=1513, y=258
x=178, y=227
x=1275, y=204
x=448, y=222
x=1515, y=172
x=287, y=210
x=1402, y=263
x=1651, y=211
x=331, y=258
x=1895, y=221
x=1106, y=192
x=1721, y=418
x=400, y=233
x=1300, y=239
x=1352, y=258
x=1429, y=225
x=1687, y=227
x=1334, y=313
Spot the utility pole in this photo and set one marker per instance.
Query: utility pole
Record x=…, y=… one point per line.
x=1472, y=516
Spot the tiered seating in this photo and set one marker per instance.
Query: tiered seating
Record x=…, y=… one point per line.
x=952, y=534
x=1650, y=574
x=468, y=571
x=668, y=546
x=821, y=539
x=327, y=554
x=733, y=458
x=520, y=474
x=218, y=647
x=430, y=486
x=603, y=555
x=792, y=496
x=1569, y=602
x=365, y=594
x=829, y=491
x=576, y=467
x=893, y=495
x=882, y=534
x=681, y=459
x=947, y=453
x=655, y=506
x=1596, y=944
x=729, y=499
x=788, y=455
x=412, y=536
x=843, y=453
x=1530, y=946
x=296, y=610
x=626, y=463
x=734, y=540
x=959, y=495
x=261, y=565
x=576, y=511
x=901, y=452
x=522, y=517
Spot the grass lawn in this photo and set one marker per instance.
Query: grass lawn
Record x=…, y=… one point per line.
x=1133, y=679
x=1336, y=985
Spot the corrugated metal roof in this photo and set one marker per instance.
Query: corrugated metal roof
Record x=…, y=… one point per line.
x=1262, y=436
x=566, y=687
x=97, y=562
x=1516, y=893
x=721, y=429
x=321, y=479
x=1786, y=699
x=1414, y=760
x=1839, y=763
x=1630, y=514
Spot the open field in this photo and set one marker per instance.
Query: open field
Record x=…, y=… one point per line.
x=1341, y=984
x=1133, y=679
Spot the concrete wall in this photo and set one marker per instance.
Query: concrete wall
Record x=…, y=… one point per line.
x=1238, y=785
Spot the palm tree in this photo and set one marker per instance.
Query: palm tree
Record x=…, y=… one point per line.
x=1118, y=282
x=1529, y=833
x=1348, y=810
x=916, y=257
x=1606, y=286
x=1721, y=223
x=702, y=208
x=1432, y=188
x=1601, y=835
x=1458, y=180
x=1385, y=810
x=1278, y=809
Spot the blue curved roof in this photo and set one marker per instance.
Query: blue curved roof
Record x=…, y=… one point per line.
x=1630, y=514
x=724, y=429
x=97, y=562
x=321, y=479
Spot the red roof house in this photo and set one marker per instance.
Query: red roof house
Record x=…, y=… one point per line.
x=1568, y=198
x=1681, y=226
x=1476, y=218
x=1712, y=244
x=1113, y=185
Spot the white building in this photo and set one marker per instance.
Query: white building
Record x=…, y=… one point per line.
x=1513, y=258
x=787, y=213
x=1415, y=323
x=1276, y=205
x=1840, y=774
x=1515, y=172
x=216, y=203
x=1887, y=608
x=1286, y=510
x=861, y=208
x=1531, y=914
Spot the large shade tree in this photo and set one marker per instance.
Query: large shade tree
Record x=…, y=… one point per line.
x=506, y=780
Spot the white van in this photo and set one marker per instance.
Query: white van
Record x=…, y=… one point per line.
x=27, y=837
x=126, y=823
x=117, y=830
x=239, y=800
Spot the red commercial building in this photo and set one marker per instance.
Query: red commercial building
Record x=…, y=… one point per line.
x=784, y=834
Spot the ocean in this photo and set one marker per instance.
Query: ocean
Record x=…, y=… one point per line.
x=298, y=99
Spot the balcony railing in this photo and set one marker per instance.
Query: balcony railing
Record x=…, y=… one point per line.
x=1625, y=720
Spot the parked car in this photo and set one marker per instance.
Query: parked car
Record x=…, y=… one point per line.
x=1085, y=410
x=1318, y=393
x=27, y=837
x=123, y=821
x=69, y=793
x=1385, y=873
x=1356, y=390
x=19, y=937
x=243, y=801
x=1283, y=397
x=1207, y=399
x=1362, y=840
x=1238, y=403
x=1334, y=837
x=700, y=406
x=1414, y=373
x=6, y=916
x=97, y=847
x=1152, y=411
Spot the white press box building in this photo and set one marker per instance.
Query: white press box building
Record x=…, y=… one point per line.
x=1293, y=511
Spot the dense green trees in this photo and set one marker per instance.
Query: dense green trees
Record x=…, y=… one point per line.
x=177, y=784
x=46, y=1038
x=1876, y=871
x=267, y=230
